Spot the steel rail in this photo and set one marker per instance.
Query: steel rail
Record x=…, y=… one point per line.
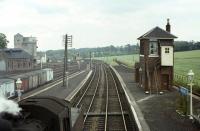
x=95, y=92
x=106, y=118
x=88, y=86
x=119, y=100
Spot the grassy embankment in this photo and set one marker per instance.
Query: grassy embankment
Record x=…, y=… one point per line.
x=128, y=59
x=184, y=61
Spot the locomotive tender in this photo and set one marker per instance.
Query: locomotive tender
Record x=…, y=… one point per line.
x=43, y=114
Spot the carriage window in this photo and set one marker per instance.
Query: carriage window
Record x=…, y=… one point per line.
x=153, y=48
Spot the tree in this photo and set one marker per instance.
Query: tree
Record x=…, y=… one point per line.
x=3, y=41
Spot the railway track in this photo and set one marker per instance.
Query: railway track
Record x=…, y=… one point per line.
x=103, y=103
x=72, y=68
x=57, y=69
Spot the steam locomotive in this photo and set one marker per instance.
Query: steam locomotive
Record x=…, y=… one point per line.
x=43, y=114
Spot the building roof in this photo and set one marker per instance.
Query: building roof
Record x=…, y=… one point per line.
x=157, y=33
x=16, y=53
x=18, y=34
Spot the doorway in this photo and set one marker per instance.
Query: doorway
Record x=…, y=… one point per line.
x=165, y=82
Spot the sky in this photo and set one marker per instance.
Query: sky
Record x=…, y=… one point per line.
x=96, y=23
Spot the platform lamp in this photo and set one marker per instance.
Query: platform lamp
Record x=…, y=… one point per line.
x=19, y=91
x=190, y=80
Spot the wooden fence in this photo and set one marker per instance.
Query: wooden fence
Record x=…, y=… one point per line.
x=182, y=80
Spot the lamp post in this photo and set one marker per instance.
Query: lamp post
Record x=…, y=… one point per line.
x=19, y=91
x=190, y=79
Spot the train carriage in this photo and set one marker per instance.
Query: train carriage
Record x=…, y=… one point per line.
x=33, y=80
x=7, y=88
x=29, y=80
x=41, y=77
x=49, y=74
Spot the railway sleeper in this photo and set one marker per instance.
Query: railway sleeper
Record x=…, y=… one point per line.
x=90, y=114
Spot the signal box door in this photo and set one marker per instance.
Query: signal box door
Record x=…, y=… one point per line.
x=165, y=82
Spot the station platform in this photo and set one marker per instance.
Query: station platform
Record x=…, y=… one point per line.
x=57, y=90
x=155, y=112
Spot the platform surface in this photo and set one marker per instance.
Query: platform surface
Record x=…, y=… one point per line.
x=159, y=111
x=58, y=90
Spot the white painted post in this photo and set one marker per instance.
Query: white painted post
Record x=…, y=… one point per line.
x=67, y=79
x=190, y=78
x=191, y=108
x=41, y=62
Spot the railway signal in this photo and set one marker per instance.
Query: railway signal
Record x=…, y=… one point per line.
x=68, y=43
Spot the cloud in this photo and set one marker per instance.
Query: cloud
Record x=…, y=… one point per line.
x=96, y=22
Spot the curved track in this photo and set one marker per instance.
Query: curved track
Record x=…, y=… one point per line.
x=101, y=102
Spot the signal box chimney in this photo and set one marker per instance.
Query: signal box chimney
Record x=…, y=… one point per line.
x=168, y=26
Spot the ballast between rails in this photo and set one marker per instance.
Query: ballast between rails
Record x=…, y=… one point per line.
x=139, y=119
x=82, y=92
x=121, y=108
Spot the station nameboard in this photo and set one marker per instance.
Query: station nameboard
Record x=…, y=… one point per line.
x=183, y=90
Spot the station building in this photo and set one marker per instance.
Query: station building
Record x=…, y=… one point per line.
x=156, y=62
x=15, y=60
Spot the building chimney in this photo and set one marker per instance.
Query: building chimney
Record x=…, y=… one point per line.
x=168, y=26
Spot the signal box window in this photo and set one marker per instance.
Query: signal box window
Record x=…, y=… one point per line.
x=153, y=48
x=166, y=50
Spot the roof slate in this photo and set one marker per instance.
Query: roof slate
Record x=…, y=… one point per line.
x=16, y=53
x=157, y=33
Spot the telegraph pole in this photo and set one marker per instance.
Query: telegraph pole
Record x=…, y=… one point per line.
x=90, y=60
x=68, y=42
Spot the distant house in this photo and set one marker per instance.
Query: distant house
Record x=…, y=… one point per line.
x=157, y=59
x=28, y=44
x=15, y=60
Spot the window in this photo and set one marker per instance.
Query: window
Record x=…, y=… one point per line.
x=153, y=48
x=166, y=50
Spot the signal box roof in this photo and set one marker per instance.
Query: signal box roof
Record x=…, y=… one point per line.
x=157, y=33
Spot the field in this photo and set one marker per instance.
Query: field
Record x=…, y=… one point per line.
x=184, y=61
x=128, y=59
